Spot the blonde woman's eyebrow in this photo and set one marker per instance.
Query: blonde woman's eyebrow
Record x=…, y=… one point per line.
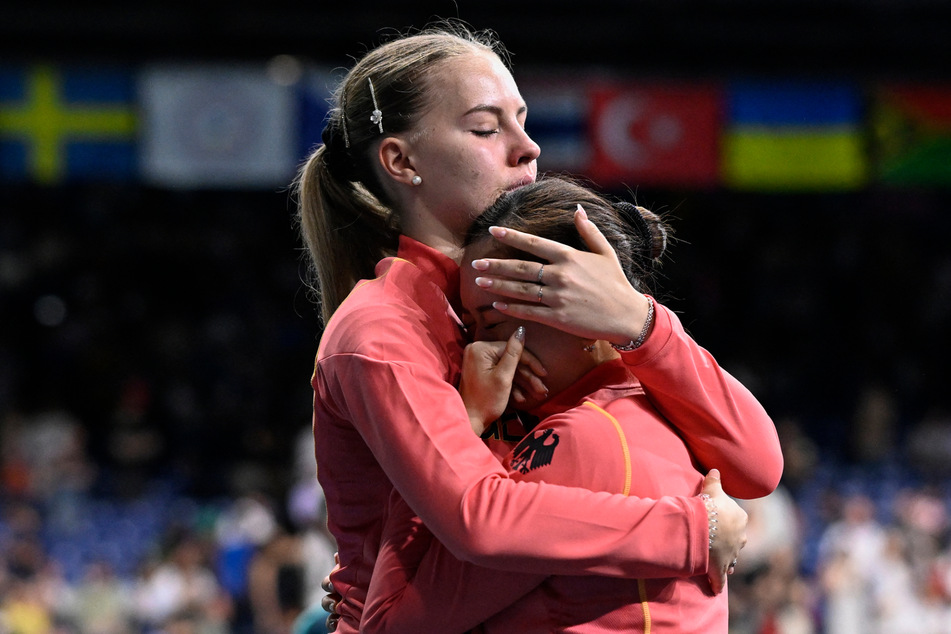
x=497, y=111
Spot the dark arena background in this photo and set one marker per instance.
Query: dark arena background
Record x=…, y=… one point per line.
x=157, y=340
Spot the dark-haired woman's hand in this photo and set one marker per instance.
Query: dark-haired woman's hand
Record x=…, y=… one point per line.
x=488, y=370
x=584, y=293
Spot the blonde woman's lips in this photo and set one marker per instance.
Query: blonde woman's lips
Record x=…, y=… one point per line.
x=521, y=183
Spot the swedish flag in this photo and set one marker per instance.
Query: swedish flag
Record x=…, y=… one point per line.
x=66, y=124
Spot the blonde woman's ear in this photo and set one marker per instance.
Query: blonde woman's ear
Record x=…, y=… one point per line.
x=395, y=160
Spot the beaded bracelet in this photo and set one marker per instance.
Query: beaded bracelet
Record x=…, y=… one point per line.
x=637, y=343
x=711, y=516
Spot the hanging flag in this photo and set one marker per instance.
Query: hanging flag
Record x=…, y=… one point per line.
x=912, y=134
x=210, y=126
x=557, y=122
x=655, y=134
x=66, y=124
x=794, y=136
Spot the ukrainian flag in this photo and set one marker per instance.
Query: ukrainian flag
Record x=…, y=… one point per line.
x=66, y=124
x=783, y=136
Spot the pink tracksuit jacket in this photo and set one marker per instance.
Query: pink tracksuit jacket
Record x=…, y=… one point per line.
x=387, y=416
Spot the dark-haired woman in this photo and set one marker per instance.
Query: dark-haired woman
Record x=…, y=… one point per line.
x=606, y=426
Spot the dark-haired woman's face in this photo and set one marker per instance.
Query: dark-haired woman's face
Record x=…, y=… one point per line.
x=561, y=353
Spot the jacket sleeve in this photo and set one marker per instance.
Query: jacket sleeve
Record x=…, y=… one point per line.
x=415, y=424
x=721, y=421
x=417, y=585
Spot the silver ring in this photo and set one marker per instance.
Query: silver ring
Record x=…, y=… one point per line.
x=541, y=289
x=541, y=272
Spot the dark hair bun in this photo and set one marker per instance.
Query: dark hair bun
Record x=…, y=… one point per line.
x=648, y=227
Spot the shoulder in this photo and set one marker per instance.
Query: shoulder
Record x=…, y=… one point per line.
x=584, y=447
x=399, y=307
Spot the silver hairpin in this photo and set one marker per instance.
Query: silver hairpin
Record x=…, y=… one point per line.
x=377, y=115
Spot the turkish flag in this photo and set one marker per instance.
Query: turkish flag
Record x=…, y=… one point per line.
x=658, y=134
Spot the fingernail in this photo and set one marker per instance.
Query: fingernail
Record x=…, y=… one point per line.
x=330, y=584
x=498, y=232
x=484, y=282
x=520, y=334
x=480, y=265
x=581, y=211
x=500, y=306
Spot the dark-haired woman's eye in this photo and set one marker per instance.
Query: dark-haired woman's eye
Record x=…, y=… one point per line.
x=492, y=325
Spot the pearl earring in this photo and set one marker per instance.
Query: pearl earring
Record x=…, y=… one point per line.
x=417, y=179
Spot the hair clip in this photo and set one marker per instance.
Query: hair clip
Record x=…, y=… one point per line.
x=377, y=115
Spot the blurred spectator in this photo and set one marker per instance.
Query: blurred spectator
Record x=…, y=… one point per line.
x=275, y=584
x=929, y=444
x=243, y=527
x=307, y=510
x=897, y=605
x=851, y=553
x=102, y=603
x=134, y=444
x=767, y=593
x=874, y=431
x=182, y=589
x=800, y=454
x=23, y=610
x=45, y=459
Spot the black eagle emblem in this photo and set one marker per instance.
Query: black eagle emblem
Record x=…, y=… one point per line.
x=535, y=450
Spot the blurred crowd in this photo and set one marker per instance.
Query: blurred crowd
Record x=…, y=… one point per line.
x=77, y=562
x=836, y=549
x=845, y=549
x=156, y=463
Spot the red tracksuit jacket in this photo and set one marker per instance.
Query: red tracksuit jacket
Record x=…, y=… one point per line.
x=603, y=434
x=386, y=414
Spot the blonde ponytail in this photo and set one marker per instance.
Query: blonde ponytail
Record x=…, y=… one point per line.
x=345, y=228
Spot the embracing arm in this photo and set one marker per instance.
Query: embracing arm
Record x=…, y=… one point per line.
x=418, y=586
x=417, y=427
x=722, y=423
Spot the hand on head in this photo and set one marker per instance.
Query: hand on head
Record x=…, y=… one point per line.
x=584, y=293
